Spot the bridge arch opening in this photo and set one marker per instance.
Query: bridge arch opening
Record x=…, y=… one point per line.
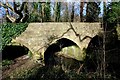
x=11, y=52
x=94, y=53
x=49, y=54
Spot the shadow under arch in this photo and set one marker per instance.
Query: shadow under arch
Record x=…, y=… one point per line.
x=94, y=53
x=56, y=47
x=95, y=43
x=11, y=52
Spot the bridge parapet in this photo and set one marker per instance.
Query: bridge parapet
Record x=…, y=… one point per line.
x=38, y=36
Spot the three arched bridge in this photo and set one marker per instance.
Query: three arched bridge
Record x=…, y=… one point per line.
x=39, y=36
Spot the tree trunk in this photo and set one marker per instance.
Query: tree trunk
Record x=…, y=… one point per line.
x=15, y=9
x=66, y=14
x=43, y=11
x=57, y=11
x=81, y=11
x=72, y=13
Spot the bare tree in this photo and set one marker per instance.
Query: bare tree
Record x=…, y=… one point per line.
x=17, y=9
x=66, y=13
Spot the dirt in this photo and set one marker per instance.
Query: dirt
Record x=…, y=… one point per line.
x=19, y=68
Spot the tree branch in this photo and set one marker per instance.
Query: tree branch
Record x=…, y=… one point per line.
x=6, y=6
x=11, y=19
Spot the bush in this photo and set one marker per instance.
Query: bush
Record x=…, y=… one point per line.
x=6, y=62
x=10, y=31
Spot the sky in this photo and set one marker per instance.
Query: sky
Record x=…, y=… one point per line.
x=101, y=9
x=2, y=12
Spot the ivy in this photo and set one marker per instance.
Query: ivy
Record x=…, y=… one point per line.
x=10, y=31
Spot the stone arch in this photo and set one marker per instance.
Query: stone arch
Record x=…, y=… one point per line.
x=11, y=52
x=56, y=47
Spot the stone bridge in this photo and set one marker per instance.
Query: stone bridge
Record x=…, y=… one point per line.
x=38, y=36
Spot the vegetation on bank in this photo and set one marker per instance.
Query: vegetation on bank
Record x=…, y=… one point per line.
x=10, y=31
